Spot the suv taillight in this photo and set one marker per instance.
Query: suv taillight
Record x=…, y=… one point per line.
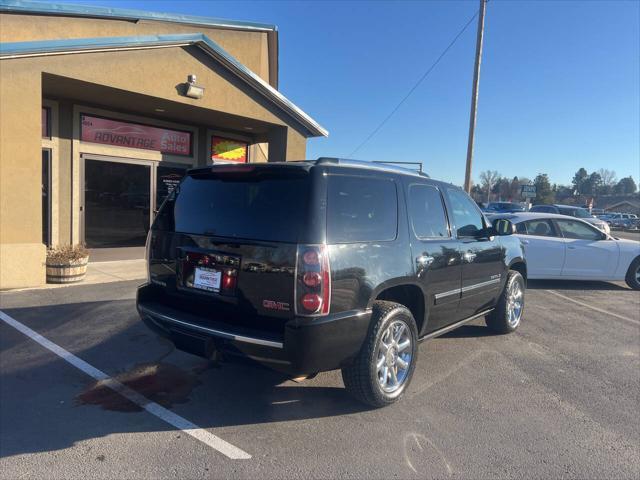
x=313, y=280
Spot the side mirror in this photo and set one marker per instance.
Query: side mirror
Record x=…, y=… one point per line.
x=502, y=226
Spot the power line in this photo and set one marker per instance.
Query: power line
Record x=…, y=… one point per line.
x=420, y=80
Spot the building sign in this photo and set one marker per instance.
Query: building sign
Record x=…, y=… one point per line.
x=167, y=179
x=133, y=135
x=170, y=181
x=528, y=191
x=227, y=149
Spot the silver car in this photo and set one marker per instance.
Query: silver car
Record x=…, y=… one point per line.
x=573, y=211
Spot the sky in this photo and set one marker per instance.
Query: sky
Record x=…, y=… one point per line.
x=559, y=84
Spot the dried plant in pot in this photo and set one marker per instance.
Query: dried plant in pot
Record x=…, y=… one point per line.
x=67, y=263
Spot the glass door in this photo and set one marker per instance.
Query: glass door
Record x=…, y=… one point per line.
x=117, y=203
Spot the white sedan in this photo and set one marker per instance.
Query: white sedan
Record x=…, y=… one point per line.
x=566, y=248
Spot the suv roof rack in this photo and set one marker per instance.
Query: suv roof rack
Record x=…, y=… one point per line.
x=379, y=165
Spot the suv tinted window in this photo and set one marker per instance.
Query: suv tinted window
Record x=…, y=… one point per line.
x=361, y=209
x=578, y=230
x=466, y=216
x=267, y=207
x=426, y=212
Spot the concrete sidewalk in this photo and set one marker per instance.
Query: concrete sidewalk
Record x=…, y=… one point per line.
x=104, y=272
x=115, y=271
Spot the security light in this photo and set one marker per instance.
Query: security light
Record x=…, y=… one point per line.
x=193, y=90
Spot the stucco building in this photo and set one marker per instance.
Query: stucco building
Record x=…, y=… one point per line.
x=102, y=110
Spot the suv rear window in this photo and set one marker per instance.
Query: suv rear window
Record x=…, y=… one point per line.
x=361, y=209
x=426, y=212
x=261, y=206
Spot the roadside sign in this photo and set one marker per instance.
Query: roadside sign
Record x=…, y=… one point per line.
x=528, y=191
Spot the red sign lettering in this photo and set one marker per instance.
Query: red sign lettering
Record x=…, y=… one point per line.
x=133, y=135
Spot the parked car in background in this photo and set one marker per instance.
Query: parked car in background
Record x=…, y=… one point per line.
x=573, y=211
x=568, y=248
x=594, y=211
x=622, y=220
x=504, y=207
x=326, y=264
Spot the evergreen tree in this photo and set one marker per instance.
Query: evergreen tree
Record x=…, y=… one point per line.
x=578, y=180
x=544, y=193
x=626, y=186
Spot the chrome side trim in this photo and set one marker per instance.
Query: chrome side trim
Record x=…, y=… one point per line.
x=447, y=293
x=453, y=326
x=212, y=331
x=480, y=285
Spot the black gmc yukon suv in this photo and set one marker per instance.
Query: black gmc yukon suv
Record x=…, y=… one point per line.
x=318, y=265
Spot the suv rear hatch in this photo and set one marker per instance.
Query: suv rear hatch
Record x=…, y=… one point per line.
x=224, y=243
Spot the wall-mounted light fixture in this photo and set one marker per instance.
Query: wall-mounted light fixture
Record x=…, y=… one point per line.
x=193, y=90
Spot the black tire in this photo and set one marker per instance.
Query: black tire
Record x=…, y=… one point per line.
x=361, y=376
x=632, y=274
x=499, y=319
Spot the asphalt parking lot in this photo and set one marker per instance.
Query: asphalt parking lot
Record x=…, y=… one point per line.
x=628, y=234
x=559, y=398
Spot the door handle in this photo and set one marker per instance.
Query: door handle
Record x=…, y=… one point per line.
x=469, y=256
x=424, y=261
x=422, y=264
x=524, y=242
x=571, y=247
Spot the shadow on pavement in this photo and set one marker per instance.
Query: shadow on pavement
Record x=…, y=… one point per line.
x=49, y=405
x=470, y=331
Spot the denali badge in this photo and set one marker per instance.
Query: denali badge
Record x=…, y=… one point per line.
x=271, y=305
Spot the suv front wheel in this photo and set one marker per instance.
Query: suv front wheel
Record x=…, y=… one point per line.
x=505, y=318
x=381, y=372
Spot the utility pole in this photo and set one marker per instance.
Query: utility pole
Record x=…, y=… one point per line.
x=474, y=96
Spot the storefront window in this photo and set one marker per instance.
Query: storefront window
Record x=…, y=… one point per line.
x=46, y=197
x=46, y=122
x=228, y=150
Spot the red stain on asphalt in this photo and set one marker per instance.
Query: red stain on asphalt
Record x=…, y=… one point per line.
x=162, y=383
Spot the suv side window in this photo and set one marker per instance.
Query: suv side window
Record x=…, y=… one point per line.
x=578, y=230
x=426, y=212
x=361, y=209
x=466, y=216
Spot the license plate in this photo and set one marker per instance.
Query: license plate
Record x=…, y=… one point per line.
x=207, y=279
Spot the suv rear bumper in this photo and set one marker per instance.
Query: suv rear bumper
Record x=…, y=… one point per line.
x=307, y=345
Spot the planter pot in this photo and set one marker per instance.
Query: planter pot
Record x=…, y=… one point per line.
x=71, y=272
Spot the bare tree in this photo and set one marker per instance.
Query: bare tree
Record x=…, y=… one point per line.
x=488, y=179
x=608, y=177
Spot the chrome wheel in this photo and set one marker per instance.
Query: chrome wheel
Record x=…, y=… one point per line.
x=514, y=304
x=394, y=356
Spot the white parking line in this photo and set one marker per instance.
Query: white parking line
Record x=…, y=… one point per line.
x=153, y=408
x=626, y=319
